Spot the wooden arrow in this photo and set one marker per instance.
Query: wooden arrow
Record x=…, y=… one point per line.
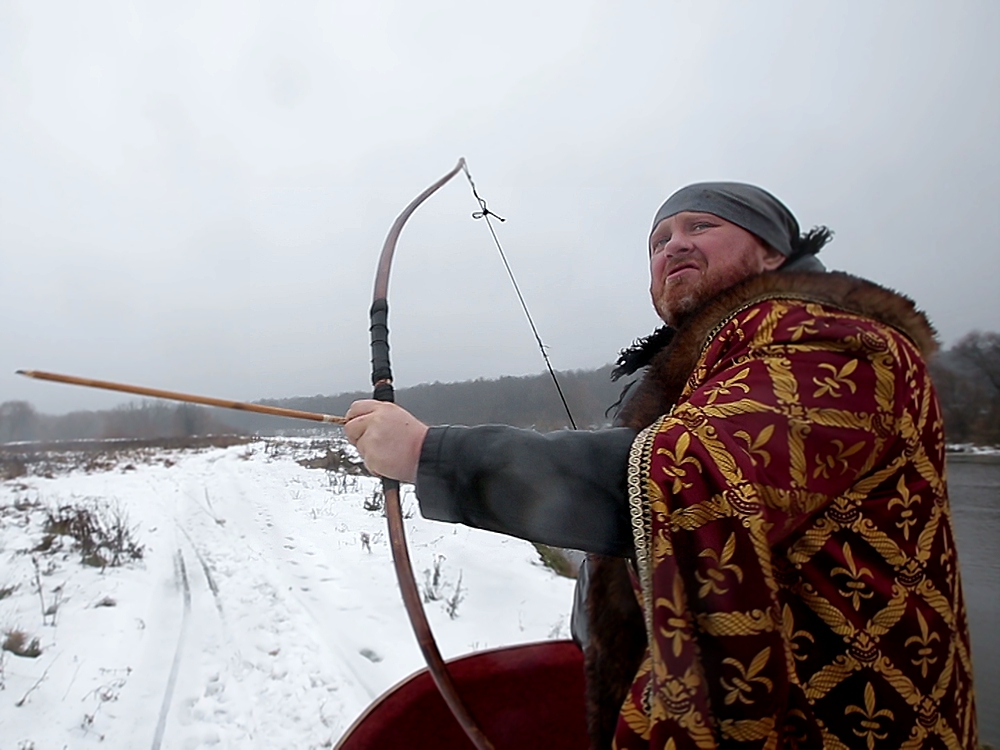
x=275, y=411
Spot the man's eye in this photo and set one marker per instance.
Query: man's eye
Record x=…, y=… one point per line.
x=702, y=225
x=659, y=243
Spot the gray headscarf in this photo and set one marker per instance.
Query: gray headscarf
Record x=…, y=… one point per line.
x=756, y=211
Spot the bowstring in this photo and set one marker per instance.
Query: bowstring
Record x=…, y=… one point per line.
x=485, y=213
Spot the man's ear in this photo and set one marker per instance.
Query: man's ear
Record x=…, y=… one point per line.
x=772, y=260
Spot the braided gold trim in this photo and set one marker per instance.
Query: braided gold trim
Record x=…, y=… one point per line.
x=639, y=458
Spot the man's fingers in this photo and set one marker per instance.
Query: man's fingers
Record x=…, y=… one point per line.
x=355, y=427
x=362, y=407
x=387, y=436
x=359, y=418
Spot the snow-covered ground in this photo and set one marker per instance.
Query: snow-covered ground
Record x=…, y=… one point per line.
x=263, y=614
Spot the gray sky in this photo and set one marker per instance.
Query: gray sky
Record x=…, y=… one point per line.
x=193, y=194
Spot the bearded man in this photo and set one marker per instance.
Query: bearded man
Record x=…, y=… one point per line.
x=772, y=558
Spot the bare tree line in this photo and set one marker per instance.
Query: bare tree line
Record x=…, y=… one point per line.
x=967, y=376
x=19, y=421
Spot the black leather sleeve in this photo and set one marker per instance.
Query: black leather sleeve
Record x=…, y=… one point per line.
x=566, y=488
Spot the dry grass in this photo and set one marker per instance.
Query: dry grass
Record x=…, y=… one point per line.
x=100, y=532
x=376, y=501
x=47, y=459
x=16, y=641
x=337, y=459
x=557, y=560
x=12, y=467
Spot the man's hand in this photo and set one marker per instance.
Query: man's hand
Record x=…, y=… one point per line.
x=388, y=438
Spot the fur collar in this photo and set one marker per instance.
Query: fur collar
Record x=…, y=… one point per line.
x=669, y=368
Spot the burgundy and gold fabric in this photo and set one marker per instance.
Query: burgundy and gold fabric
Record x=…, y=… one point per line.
x=794, y=547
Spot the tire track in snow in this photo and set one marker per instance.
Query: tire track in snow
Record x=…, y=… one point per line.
x=221, y=656
x=180, y=571
x=212, y=585
x=287, y=661
x=218, y=699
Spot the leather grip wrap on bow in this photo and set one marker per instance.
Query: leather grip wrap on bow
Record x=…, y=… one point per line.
x=381, y=370
x=384, y=391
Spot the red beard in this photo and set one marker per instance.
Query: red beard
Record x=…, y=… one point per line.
x=677, y=298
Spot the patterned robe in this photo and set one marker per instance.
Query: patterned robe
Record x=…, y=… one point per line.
x=794, y=549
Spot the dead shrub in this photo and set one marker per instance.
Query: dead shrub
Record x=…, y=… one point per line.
x=434, y=584
x=16, y=641
x=451, y=606
x=22, y=503
x=46, y=544
x=101, y=533
x=376, y=502
x=558, y=560
x=338, y=460
x=12, y=467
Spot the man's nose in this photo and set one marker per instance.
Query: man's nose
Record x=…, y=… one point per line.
x=679, y=244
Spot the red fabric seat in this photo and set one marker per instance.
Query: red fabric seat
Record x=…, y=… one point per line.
x=523, y=697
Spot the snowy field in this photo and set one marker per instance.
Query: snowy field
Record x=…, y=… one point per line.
x=263, y=613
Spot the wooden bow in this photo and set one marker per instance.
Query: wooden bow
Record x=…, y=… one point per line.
x=384, y=391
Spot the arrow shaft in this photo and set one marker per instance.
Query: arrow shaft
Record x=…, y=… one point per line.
x=274, y=411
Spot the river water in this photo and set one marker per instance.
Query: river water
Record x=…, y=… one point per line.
x=974, y=487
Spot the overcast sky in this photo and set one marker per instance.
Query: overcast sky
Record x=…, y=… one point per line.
x=193, y=194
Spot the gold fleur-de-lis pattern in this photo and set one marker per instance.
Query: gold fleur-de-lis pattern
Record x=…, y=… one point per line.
x=874, y=722
x=740, y=686
x=755, y=446
x=794, y=546
x=836, y=382
x=924, y=656
x=905, y=499
x=855, y=588
x=715, y=578
x=674, y=466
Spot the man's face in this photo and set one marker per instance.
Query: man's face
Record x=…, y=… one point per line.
x=694, y=256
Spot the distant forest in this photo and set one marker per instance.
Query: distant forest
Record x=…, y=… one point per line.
x=529, y=401
x=967, y=377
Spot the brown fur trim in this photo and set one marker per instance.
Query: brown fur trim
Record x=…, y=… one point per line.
x=618, y=635
x=669, y=370
x=616, y=646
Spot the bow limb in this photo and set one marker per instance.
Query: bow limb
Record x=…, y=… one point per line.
x=384, y=391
